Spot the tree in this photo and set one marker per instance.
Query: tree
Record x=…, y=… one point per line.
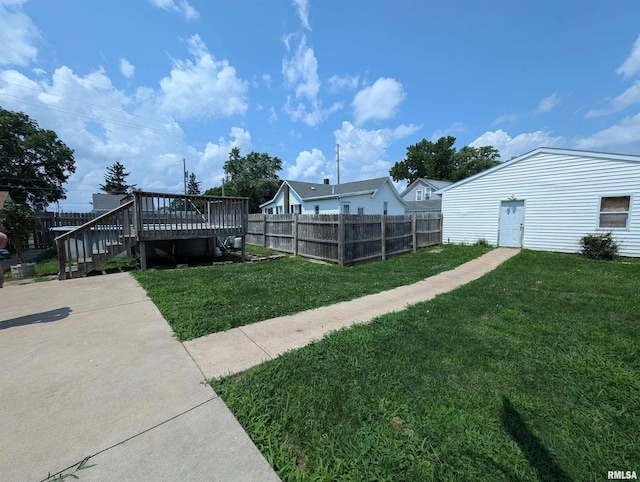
x=115, y=180
x=193, y=186
x=20, y=222
x=253, y=176
x=35, y=163
x=439, y=160
x=472, y=160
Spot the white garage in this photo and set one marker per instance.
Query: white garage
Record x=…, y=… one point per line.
x=547, y=200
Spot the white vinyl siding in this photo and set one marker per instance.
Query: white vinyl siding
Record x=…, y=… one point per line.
x=563, y=193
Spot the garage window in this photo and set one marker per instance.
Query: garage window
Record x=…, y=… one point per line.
x=614, y=212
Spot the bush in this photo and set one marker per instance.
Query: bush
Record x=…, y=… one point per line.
x=599, y=246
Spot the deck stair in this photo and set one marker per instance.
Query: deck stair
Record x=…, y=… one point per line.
x=145, y=218
x=95, y=243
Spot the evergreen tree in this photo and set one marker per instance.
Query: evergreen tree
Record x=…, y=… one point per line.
x=115, y=180
x=193, y=186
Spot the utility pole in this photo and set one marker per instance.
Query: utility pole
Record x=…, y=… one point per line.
x=338, y=160
x=184, y=169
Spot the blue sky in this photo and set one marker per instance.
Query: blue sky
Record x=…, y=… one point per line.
x=150, y=82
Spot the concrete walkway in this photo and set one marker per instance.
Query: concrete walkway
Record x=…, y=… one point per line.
x=90, y=367
x=241, y=348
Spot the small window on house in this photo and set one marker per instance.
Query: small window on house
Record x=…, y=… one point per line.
x=427, y=193
x=295, y=208
x=385, y=208
x=614, y=212
x=317, y=209
x=270, y=211
x=345, y=209
x=279, y=209
x=419, y=195
x=361, y=211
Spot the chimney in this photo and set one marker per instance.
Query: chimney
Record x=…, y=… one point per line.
x=326, y=180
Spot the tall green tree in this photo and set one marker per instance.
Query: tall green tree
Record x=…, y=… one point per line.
x=441, y=161
x=254, y=176
x=193, y=186
x=115, y=180
x=35, y=163
x=20, y=222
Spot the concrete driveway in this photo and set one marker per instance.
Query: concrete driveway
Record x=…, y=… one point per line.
x=89, y=367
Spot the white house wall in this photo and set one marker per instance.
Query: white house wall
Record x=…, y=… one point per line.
x=561, y=196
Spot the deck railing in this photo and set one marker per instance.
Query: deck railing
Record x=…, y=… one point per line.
x=91, y=245
x=180, y=216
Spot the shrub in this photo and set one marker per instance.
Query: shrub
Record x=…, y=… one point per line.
x=482, y=243
x=599, y=246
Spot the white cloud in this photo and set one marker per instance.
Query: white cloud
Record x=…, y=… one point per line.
x=127, y=68
x=266, y=78
x=628, y=97
x=310, y=166
x=18, y=34
x=338, y=83
x=631, y=65
x=211, y=160
x=302, y=7
x=548, y=103
x=505, y=118
x=363, y=152
x=203, y=87
x=180, y=6
x=455, y=128
x=379, y=101
x=514, y=146
x=625, y=132
x=300, y=72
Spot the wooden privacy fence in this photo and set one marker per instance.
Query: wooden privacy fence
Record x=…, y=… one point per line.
x=43, y=237
x=345, y=239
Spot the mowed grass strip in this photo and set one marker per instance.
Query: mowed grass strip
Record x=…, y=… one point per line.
x=203, y=300
x=530, y=373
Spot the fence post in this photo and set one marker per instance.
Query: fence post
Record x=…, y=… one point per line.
x=440, y=224
x=414, y=232
x=341, y=240
x=295, y=235
x=383, y=236
x=264, y=230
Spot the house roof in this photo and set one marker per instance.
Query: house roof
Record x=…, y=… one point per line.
x=106, y=202
x=311, y=191
x=547, y=150
x=429, y=205
x=4, y=197
x=435, y=185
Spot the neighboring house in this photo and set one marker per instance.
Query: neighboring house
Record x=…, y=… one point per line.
x=103, y=203
x=371, y=196
x=421, y=195
x=547, y=200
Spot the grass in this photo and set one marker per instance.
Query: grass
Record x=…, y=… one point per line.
x=46, y=265
x=203, y=300
x=530, y=373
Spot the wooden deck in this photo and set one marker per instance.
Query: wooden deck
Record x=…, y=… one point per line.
x=145, y=218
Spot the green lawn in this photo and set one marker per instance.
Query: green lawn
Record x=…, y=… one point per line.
x=203, y=300
x=530, y=373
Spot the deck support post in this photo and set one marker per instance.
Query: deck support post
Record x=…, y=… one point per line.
x=143, y=255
